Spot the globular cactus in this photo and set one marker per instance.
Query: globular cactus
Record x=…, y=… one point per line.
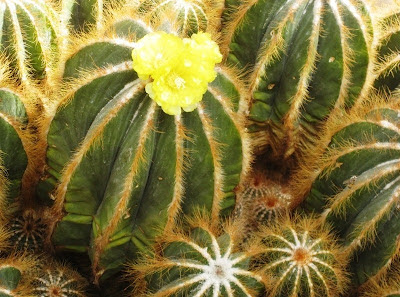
x=259, y=200
x=28, y=37
x=305, y=60
x=304, y=258
x=58, y=280
x=356, y=185
x=201, y=259
x=27, y=232
x=121, y=168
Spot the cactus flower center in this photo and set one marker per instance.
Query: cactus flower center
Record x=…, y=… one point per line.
x=301, y=256
x=180, y=69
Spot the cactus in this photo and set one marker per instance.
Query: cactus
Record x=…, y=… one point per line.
x=146, y=172
x=205, y=261
x=28, y=37
x=27, y=232
x=356, y=185
x=58, y=280
x=13, y=122
x=304, y=257
x=308, y=59
x=259, y=201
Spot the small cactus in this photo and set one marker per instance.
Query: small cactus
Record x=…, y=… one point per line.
x=304, y=258
x=205, y=261
x=27, y=232
x=259, y=201
x=57, y=280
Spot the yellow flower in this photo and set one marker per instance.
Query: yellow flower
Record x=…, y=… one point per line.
x=180, y=69
x=156, y=52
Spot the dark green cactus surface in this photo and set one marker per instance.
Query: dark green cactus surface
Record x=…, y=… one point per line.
x=358, y=188
x=122, y=169
x=13, y=120
x=9, y=278
x=305, y=59
x=388, y=76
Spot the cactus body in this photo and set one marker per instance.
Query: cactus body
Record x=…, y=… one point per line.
x=388, y=67
x=81, y=15
x=58, y=280
x=357, y=186
x=305, y=59
x=386, y=286
x=28, y=37
x=13, y=121
x=304, y=258
x=145, y=175
x=203, y=262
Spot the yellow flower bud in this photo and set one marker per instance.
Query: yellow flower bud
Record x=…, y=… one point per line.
x=180, y=69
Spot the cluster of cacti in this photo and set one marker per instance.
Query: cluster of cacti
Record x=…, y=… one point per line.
x=277, y=120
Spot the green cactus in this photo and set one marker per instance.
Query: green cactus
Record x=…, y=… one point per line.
x=15, y=273
x=316, y=82
x=388, y=67
x=141, y=161
x=28, y=37
x=13, y=122
x=304, y=257
x=306, y=60
x=55, y=280
x=260, y=201
x=205, y=261
x=356, y=185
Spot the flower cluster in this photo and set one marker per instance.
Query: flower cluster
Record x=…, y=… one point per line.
x=180, y=69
